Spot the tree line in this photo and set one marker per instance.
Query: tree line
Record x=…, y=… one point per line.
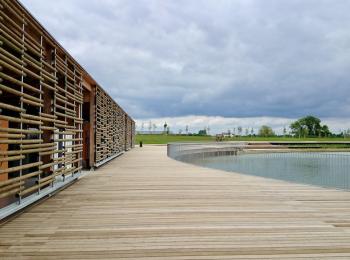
x=308, y=126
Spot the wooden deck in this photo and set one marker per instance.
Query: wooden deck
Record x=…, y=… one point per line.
x=144, y=205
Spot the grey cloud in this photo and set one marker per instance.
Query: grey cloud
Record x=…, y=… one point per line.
x=231, y=58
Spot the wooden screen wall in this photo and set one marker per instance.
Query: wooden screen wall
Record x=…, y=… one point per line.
x=133, y=132
x=40, y=101
x=110, y=127
x=41, y=105
x=130, y=132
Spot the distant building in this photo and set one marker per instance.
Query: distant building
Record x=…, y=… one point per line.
x=228, y=134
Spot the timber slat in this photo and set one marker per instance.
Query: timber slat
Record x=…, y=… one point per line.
x=21, y=167
x=42, y=122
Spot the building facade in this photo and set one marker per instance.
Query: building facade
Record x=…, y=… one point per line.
x=55, y=119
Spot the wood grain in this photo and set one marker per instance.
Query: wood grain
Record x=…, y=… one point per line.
x=144, y=205
x=115, y=130
x=41, y=100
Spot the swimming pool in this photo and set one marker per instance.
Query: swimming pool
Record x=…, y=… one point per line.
x=316, y=168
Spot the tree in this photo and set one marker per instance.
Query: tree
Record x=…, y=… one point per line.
x=266, y=131
x=239, y=129
x=313, y=125
x=202, y=132
x=284, y=131
x=325, y=131
x=346, y=133
x=246, y=132
x=309, y=126
x=186, y=129
x=305, y=132
x=165, y=127
x=296, y=128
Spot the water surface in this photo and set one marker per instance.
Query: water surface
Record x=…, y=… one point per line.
x=321, y=169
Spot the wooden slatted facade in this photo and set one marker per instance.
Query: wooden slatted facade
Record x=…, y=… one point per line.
x=55, y=119
x=114, y=128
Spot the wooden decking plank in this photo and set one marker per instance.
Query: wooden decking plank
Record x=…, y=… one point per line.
x=144, y=205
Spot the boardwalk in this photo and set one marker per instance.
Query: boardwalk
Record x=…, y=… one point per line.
x=144, y=205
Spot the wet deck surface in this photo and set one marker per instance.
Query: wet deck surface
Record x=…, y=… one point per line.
x=144, y=205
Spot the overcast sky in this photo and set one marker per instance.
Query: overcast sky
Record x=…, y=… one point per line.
x=211, y=59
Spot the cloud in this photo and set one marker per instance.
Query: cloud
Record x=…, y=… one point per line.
x=228, y=58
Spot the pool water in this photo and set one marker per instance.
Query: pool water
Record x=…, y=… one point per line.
x=321, y=169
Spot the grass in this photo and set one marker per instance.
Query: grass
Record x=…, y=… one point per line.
x=164, y=139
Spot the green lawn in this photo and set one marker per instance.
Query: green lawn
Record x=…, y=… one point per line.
x=164, y=139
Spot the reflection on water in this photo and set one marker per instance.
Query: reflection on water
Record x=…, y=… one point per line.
x=322, y=169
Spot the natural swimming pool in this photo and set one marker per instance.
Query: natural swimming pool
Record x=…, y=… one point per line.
x=327, y=169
